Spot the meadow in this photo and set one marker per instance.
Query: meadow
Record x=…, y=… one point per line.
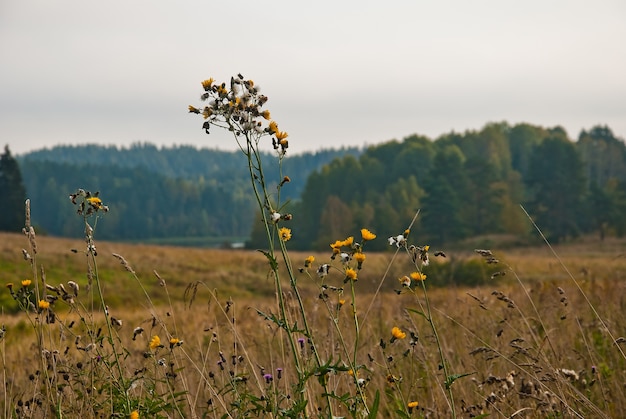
x=532, y=346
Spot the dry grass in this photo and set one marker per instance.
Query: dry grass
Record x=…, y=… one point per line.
x=551, y=355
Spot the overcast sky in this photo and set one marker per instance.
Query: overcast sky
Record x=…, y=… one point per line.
x=336, y=72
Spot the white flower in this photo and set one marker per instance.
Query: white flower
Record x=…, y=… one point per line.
x=322, y=271
x=399, y=240
x=275, y=217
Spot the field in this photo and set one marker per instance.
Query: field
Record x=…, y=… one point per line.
x=543, y=340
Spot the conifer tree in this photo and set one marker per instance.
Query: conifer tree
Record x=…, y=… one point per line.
x=12, y=193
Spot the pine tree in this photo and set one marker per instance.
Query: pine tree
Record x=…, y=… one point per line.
x=12, y=193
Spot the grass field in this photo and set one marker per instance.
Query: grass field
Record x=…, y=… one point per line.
x=542, y=341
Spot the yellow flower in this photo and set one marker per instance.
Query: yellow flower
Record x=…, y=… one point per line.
x=206, y=84
x=367, y=235
x=351, y=274
x=265, y=114
x=426, y=248
x=397, y=333
x=348, y=241
x=26, y=283
x=309, y=261
x=418, y=276
x=273, y=127
x=281, y=135
x=342, y=302
x=207, y=112
x=134, y=415
x=155, y=342
x=412, y=405
x=193, y=109
x=175, y=342
x=359, y=257
x=284, y=233
x=44, y=305
x=95, y=202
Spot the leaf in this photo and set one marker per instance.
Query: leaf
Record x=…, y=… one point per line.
x=417, y=312
x=270, y=258
x=452, y=378
x=374, y=410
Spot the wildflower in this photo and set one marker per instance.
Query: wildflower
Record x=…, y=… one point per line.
x=10, y=287
x=348, y=241
x=155, y=342
x=345, y=257
x=275, y=217
x=273, y=127
x=74, y=286
x=266, y=115
x=286, y=179
x=340, y=304
x=322, y=271
x=26, y=283
x=412, y=405
x=418, y=276
x=193, y=109
x=206, y=84
x=137, y=331
x=279, y=373
x=399, y=240
x=134, y=415
x=95, y=202
x=309, y=261
x=405, y=281
x=367, y=235
x=268, y=378
x=175, y=342
x=281, y=135
x=284, y=233
x=44, y=305
x=350, y=275
x=397, y=333
x=360, y=258
x=301, y=342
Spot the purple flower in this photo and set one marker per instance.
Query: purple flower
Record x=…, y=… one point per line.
x=268, y=378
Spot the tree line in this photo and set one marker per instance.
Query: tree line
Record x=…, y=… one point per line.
x=470, y=184
x=463, y=184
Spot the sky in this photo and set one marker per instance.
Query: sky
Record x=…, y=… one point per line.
x=336, y=73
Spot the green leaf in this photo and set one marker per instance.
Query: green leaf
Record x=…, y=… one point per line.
x=270, y=258
x=374, y=409
x=452, y=378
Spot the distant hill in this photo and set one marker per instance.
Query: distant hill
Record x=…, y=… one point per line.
x=180, y=194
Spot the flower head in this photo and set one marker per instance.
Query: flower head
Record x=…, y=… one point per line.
x=44, y=305
x=405, y=281
x=322, y=271
x=134, y=415
x=26, y=283
x=284, y=233
x=418, y=276
x=350, y=275
x=155, y=342
x=309, y=261
x=360, y=258
x=206, y=84
x=397, y=333
x=175, y=342
x=412, y=405
x=367, y=235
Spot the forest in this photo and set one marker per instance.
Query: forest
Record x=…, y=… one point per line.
x=463, y=184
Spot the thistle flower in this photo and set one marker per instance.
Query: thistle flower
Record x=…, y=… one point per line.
x=284, y=233
x=155, y=342
x=367, y=235
x=268, y=378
